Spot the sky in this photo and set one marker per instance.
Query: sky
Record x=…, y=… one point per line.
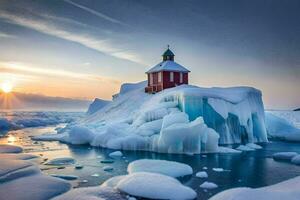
x=88, y=48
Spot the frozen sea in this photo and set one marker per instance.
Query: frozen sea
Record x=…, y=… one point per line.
x=248, y=169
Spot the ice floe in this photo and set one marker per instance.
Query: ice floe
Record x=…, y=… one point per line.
x=202, y=174
x=169, y=168
x=284, y=155
x=154, y=186
x=208, y=185
x=116, y=154
x=61, y=161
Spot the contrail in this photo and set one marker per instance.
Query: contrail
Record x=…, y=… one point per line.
x=94, y=12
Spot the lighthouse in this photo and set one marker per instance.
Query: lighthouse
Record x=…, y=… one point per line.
x=166, y=74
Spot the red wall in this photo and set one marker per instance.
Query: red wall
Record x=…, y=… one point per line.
x=168, y=84
x=157, y=86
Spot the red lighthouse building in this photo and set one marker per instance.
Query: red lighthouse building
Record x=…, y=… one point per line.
x=166, y=74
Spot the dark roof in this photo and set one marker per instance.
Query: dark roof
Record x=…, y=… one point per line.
x=168, y=52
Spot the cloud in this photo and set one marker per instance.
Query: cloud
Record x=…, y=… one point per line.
x=94, y=12
x=5, y=35
x=104, y=46
x=15, y=68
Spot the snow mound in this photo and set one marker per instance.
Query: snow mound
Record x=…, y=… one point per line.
x=208, y=185
x=5, y=148
x=284, y=156
x=169, y=168
x=61, y=161
x=280, y=128
x=284, y=190
x=97, y=105
x=202, y=174
x=154, y=186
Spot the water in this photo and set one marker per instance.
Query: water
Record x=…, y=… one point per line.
x=248, y=169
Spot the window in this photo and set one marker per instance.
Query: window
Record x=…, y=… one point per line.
x=171, y=76
x=181, y=77
x=151, y=78
x=159, y=77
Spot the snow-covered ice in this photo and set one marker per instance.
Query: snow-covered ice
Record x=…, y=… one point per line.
x=208, y=185
x=202, y=174
x=288, y=190
x=154, y=186
x=185, y=119
x=284, y=155
x=169, y=168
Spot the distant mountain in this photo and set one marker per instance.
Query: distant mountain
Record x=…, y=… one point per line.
x=298, y=109
x=24, y=101
x=97, y=105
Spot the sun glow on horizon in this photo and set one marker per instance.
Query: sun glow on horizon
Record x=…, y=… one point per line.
x=7, y=87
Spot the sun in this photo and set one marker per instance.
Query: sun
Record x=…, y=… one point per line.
x=7, y=87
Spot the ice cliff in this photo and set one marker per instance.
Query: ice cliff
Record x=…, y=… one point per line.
x=184, y=119
x=96, y=105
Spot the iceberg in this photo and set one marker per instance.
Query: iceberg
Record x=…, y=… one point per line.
x=202, y=174
x=185, y=120
x=280, y=128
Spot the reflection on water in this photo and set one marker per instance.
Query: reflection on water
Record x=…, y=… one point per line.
x=248, y=169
